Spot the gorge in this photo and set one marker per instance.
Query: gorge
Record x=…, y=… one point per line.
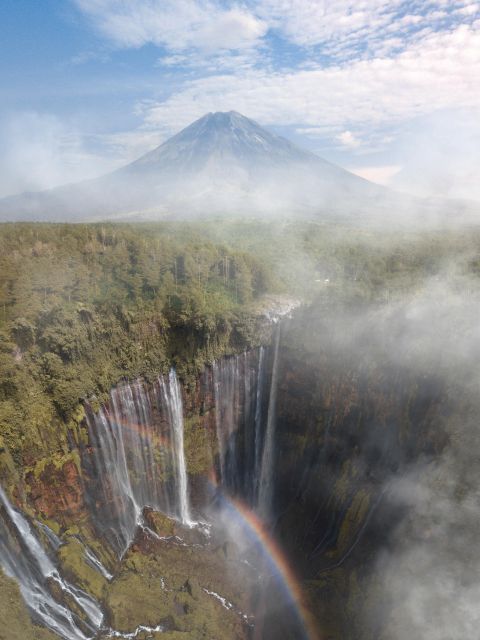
x=225, y=460
x=265, y=470
x=239, y=320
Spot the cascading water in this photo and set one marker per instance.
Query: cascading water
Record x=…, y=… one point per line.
x=258, y=439
x=236, y=382
x=172, y=397
x=137, y=458
x=226, y=381
x=245, y=389
x=23, y=557
x=265, y=491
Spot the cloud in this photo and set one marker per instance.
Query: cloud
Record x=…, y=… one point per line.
x=39, y=151
x=362, y=28
x=340, y=30
x=432, y=560
x=441, y=156
x=438, y=73
x=347, y=139
x=176, y=25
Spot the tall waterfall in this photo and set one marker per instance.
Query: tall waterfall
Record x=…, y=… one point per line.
x=226, y=380
x=23, y=557
x=238, y=391
x=245, y=390
x=172, y=396
x=265, y=492
x=138, y=458
x=258, y=439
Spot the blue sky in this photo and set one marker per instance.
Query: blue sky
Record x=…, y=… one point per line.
x=387, y=88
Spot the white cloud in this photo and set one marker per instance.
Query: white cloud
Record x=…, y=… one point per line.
x=359, y=28
x=347, y=139
x=440, y=72
x=177, y=25
x=442, y=156
x=341, y=30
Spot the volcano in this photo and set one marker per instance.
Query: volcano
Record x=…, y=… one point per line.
x=222, y=164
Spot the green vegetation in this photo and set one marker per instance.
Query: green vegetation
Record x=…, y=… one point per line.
x=166, y=583
x=15, y=623
x=71, y=557
x=84, y=306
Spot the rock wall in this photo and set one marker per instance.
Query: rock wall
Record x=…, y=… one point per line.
x=348, y=423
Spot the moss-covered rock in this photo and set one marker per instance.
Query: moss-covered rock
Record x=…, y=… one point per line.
x=75, y=568
x=15, y=623
x=168, y=583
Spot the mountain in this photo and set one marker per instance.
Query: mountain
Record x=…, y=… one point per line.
x=222, y=164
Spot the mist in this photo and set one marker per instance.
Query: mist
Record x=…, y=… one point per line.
x=40, y=151
x=430, y=569
x=239, y=379
x=416, y=552
x=221, y=165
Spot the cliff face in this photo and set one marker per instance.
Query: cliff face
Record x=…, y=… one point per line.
x=353, y=419
x=320, y=428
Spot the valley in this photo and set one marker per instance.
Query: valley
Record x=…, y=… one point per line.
x=242, y=480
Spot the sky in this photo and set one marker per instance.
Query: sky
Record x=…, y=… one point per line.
x=389, y=89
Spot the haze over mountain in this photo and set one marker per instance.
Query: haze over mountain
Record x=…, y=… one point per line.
x=222, y=164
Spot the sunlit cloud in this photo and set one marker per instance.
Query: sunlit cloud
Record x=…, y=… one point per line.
x=440, y=72
x=381, y=175
x=348, y=139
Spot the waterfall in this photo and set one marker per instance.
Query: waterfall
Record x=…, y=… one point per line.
x=265, y=492
x=237, y=384
x=173, y=401
x=258, y=439
x=22, y=557
x=95, y=563
x=245, y=390
x=52, y=537
x=226, y=381
x=137, y=459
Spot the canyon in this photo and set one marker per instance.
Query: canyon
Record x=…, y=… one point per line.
x=181, y=505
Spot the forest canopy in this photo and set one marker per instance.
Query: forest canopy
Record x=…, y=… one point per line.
x=85, y=306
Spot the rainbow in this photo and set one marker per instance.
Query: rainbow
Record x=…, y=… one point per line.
x=276, y=562
x=145, y=432
x=256, y=531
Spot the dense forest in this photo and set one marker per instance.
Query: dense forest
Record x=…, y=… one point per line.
x=84, y=306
